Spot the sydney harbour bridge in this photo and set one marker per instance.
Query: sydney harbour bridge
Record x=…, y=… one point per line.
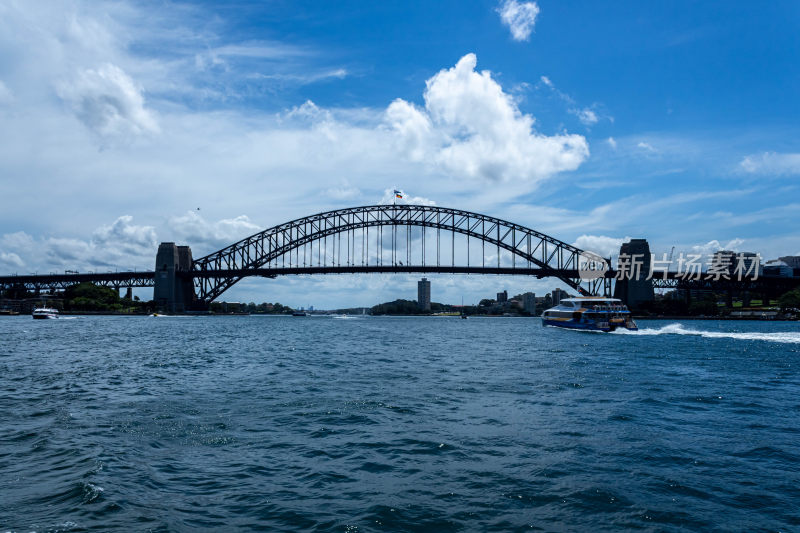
x=375, y=239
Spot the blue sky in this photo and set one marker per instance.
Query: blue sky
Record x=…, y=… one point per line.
x=592, y=122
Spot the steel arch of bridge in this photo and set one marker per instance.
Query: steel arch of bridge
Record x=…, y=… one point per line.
x=271, y=250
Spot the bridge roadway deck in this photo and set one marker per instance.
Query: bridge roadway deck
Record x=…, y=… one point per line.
x=387, y=269
x=61, y=281
x=147, y=278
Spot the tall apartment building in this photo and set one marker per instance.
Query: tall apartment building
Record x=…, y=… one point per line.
x=424, y=294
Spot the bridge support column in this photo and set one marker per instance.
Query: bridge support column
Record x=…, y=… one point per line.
x=173, y=292
x=637, y=291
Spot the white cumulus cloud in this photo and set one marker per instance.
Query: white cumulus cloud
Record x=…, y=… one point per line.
x=108, y=102
x=414, y=129
x=471, y=128
x=600, y=244
x=520, y=17
x=126, y=236
x=11, y=259
x=121, y=245
x=204, y=236
x=771, y=163
x=714, y=246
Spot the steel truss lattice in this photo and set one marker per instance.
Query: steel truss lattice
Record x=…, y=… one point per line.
x=320, y=242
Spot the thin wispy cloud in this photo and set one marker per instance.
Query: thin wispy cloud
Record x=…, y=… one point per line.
x=343, y=192
x=779, y=164
x=647, y=147
x=587, y=115
x=310, y=77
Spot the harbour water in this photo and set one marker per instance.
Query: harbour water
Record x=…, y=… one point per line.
x=385, y=424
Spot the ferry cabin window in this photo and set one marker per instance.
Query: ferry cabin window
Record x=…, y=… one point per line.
x=558, y=314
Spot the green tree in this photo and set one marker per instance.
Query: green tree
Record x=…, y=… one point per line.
x=707, y=306
x=90, y=297
x=790, y=300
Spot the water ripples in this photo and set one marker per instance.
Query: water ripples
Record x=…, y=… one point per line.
x=252, y=423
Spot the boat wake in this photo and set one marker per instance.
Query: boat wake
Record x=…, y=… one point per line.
x=791, y=337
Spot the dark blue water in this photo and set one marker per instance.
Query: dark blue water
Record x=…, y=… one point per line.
x=384, y=424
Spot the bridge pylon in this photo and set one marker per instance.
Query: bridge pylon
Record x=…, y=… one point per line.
x=636, y=290
x=174, y=290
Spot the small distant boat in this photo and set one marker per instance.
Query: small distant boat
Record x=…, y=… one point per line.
x=8, y=312
x=45, y=312
x=299, y=313
x=590, y=313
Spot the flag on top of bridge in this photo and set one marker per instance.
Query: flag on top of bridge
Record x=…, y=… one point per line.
x=398, y=194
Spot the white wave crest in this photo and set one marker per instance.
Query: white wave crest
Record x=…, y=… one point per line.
x=791, y=337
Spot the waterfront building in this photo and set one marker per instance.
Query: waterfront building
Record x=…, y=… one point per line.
x=502, y=297
x=794, y=263
x=424, y=294
x=791, y=260
x=558, y=295
x=776, y=268
x=529, y=303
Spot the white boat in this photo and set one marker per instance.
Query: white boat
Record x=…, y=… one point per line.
x=45, y=312
x=590, y=313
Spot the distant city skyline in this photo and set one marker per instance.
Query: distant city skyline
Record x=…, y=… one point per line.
x=130, y=123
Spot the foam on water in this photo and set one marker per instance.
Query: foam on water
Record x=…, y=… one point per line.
x=791, y=337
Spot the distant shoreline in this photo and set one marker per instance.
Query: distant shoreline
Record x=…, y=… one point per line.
x=637, y=317
x=731, y=318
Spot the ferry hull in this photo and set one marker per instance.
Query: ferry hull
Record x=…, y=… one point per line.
x=586, y=326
